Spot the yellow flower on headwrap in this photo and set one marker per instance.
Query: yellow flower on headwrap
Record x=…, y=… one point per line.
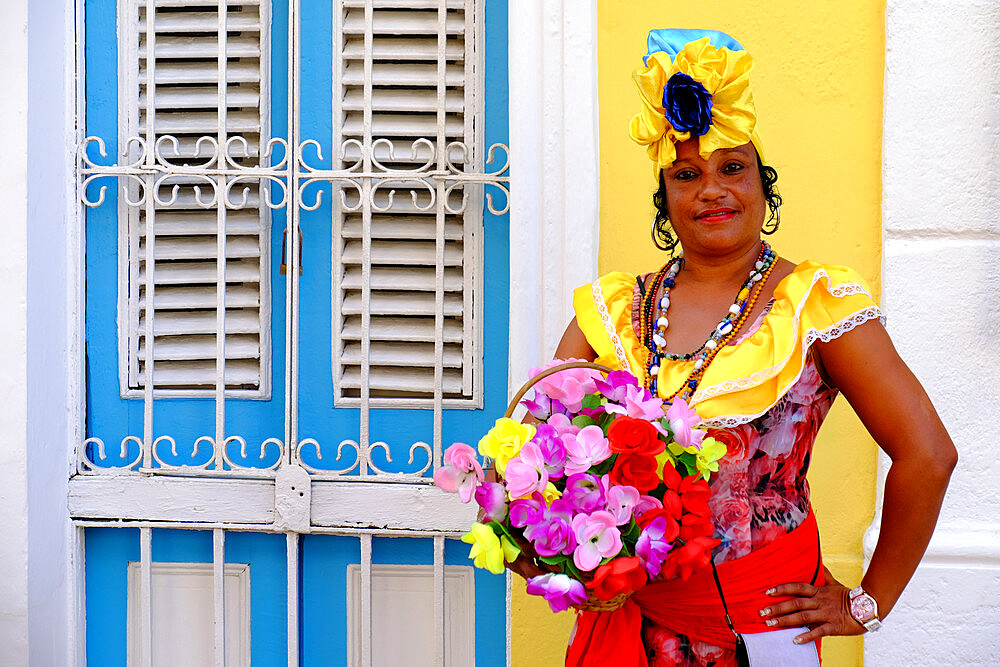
x=708, y=89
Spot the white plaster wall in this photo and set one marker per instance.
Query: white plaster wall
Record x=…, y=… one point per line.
x=941, y=292
x=13, y=334
x=554, y=223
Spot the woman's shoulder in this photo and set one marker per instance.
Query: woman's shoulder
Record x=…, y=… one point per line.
x=603, y=311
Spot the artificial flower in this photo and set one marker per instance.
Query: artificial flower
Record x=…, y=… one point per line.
x=584, y=492
x=639, y=403
x=492, y=497
x=461, y=471
x=653, y=545
x=635, y=470
x=687, y=106
x=526, y=511
x=683, y=421
x=552, y=448
x=615, y=385
x=560, y=590
x=504, y=441
x=550, y=493
x=685, y=560
x=621, y=500
x=568, y=386
x=597, y=538
x=629, y=435
x=554, y=534
x=622, y=575
x=584, y=449
x=695, y=525
x=671, y=526
x=526, y=473
x=645, y=504
x=708, y=456
x=489, y=551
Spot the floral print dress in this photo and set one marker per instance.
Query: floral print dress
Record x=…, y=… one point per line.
x=759, y=493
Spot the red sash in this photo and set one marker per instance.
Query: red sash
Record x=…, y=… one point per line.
x=693, y=607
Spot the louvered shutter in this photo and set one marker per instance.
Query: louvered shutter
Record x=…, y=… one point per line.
x=405, y=107
x=186, y=105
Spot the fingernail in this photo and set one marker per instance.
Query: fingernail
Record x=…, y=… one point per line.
x=766, y=611
x=770, y=621
x=797, y=640
x=770, y=591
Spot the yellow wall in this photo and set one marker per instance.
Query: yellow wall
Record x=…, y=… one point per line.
x=817, y=85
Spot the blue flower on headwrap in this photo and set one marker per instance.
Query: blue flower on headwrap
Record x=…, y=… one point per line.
x=687, y=105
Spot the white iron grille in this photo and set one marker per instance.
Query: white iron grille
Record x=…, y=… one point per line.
x=405, y=263
x=172, y=97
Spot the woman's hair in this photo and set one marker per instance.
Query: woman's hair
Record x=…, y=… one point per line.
x=663, y=235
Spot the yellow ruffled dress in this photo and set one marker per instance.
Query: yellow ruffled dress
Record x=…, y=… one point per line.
x=814, y=302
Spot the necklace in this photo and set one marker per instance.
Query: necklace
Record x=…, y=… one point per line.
x=654, y=321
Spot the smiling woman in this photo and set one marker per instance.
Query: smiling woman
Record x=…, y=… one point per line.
x=760, y=347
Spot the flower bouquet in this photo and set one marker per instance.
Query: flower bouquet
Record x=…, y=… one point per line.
x=607, y=491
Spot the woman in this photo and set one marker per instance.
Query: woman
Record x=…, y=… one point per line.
x=760, y=347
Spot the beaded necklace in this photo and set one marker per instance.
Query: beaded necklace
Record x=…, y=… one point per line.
x=653, y=333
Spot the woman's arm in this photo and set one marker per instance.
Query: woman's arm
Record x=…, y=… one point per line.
x=898, y=414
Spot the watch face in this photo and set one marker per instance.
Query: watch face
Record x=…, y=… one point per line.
x=863, y=608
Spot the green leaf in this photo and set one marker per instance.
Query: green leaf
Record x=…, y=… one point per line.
x=690, y=462
x=570, y=568
x=552, y=560
x=583, y=420
x=592, y=401
x=604, y=467
x=632, y=533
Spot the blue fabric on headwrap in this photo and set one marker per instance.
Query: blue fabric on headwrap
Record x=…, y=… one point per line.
x=673, y=41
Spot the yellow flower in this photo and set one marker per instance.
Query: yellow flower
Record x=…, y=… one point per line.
x=489, y=551
x=551, y=493
x=708, y=456
x=662, y=459
x=724, y=73
x=504, y=441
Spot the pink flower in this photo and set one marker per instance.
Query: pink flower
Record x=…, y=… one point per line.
x=526, y=473
x=645, y=504
x=652, y=547
x=683, y=421
x=597, y=537
x=639, y=403
x=560, y=590
x=568, y=386
x=586, y=448
x=461, y=471
x=526, y=511
x=621, y=501
x=493, y=499
x=562, y=424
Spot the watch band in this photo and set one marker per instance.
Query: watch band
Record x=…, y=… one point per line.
x=864, y=609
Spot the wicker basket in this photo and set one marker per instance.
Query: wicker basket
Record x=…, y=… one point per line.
x=592, y=603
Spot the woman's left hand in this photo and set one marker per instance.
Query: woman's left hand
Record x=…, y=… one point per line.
x=824, y=609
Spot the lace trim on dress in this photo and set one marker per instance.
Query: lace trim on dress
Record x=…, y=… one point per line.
x=609, y=326
x=811, y=336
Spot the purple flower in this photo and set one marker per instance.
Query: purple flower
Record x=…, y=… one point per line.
x=527, y=511
x=683, y=421
x=525, y=473
x=461, y=471
x=584, y=492
x=492, y=498
x=638, y=403
x=539, y=406
x=614, y=387
x=645, y=504
x=552, y=448
x=586, y=448
x=651, y=548
x=621, y=501
x=560, y=590
x=597, y=538
x=554, y=534
x=568, y=386
x=687, y=105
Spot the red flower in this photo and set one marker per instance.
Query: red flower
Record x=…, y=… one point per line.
x=628, y=435
x=694, y=493
x=635, y=470
x=672, y=529
x=621, y=575
x=684, y=561
x=693, y=526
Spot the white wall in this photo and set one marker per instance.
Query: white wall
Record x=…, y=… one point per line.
x=13, y=334
x=941, y=292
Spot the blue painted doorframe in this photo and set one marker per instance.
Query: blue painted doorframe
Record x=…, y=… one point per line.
x=324, y=558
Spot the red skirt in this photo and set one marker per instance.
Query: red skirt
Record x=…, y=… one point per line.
x=693, y=607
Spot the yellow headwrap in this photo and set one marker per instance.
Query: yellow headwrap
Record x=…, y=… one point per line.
x=722, y=101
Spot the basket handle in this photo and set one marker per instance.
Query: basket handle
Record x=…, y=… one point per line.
x=547, y=372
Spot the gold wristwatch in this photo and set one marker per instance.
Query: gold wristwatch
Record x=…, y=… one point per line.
x=864, y=609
